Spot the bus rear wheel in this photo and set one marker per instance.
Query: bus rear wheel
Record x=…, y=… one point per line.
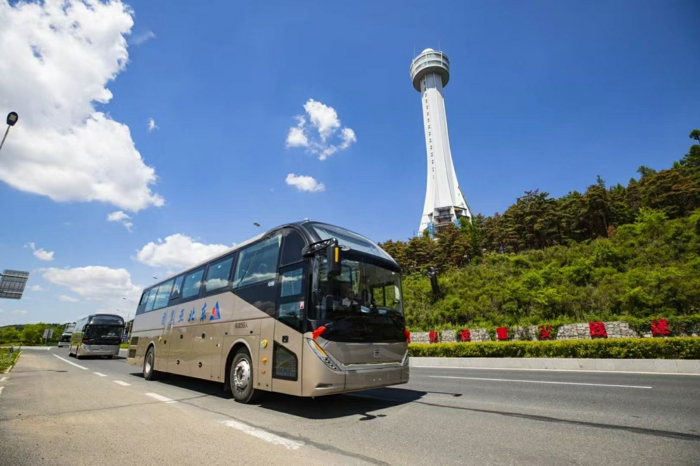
x=241, y=378
x=149, y=364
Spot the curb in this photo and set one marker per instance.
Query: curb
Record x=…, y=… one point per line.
x=660, y=366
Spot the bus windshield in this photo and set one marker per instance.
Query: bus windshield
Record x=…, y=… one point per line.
x=103, y=334
x=361, y=289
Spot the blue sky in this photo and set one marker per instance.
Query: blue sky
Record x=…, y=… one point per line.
x=542, y=95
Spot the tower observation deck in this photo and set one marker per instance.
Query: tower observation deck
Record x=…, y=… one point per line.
x=444, y=201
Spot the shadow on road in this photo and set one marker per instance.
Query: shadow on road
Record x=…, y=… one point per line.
x=325, y=407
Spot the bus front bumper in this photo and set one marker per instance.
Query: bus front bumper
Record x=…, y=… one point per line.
x=357, y=379
x=99, y=350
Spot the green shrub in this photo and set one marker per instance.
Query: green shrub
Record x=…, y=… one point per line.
x=620, y=348
x=6, y=360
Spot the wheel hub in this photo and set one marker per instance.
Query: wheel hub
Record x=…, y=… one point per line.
x=149, y=363
x=241, y=375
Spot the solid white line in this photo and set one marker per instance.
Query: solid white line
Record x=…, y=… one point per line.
x=71, y=363
x=161, y=398
x=537, y=381
x=1, y=390
x=550, y=370
x=264, y=435
x=3, y=379
x=121, y=383
x=100, y=374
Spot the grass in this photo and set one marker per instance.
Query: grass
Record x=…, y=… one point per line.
x=6, y=360
x=124, y=345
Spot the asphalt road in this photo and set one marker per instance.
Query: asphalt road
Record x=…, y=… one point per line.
x=52, y=412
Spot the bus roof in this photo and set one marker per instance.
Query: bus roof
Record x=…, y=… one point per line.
x=312, y=231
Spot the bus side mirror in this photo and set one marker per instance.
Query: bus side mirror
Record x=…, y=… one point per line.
x=334, y=259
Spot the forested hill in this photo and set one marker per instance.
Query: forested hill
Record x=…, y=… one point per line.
x=610, y=251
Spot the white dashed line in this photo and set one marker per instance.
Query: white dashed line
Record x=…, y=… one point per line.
x=124, y=384
x=3, y=379
x=538, y=381
x=71, y=363
x=161, y=398
x=1, y=390
x=100, y=374
x=264, y=435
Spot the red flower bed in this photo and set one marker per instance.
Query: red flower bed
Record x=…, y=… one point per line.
x=433, y=337
x=465, y=335
x=597, y=330
x=545, y=332
x=660, y=327
x=502, y=333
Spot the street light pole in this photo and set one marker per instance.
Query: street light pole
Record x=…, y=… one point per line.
x=12, y=118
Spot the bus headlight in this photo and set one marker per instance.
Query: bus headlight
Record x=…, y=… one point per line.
x=323, y=356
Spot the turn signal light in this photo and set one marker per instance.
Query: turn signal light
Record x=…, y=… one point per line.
x=317, y=333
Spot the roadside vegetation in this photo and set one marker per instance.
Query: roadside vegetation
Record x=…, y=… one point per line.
x=611, y=253
x=7, y=359
x=29, y=334
x=619, y=348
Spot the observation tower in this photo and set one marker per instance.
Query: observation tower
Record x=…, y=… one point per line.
x=444, y=201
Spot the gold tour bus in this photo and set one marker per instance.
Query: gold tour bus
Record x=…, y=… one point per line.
x=97, y=335
x=306, y=309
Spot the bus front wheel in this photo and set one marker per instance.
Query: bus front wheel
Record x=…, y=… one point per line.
x=241, y=378
x=149, y=372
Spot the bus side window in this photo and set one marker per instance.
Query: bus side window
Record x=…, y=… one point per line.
x=192, y=284
x=151, y=299
x=177, y=287
x=292, y=245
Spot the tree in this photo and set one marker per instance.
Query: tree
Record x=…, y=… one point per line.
x=695, y=134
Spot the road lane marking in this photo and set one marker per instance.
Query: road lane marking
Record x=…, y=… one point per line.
x=1, y=388
x=124, y=384
x=538, y=381
x=71, y=363
x=550, y=370
x=264, y=435
x=3, y=379
x=161, y=398
x=100, y=374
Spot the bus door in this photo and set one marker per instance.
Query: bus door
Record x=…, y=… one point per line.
x=288, y=340
x=164, y=342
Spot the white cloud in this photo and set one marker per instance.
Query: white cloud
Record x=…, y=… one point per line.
x=68, y=299
x=95, y=282
x=139, y=39
x=57, y=59
x=41, y=254
x=152, y=124
x=324, y=120
x=296, y=136
x=36, y=288
x=304, y=183
x=178, y=251
x=19, y=312
x=122, y=218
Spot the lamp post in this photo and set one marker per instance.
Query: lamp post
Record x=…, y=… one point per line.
x=12, y=118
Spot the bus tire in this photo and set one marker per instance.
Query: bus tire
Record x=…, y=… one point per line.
x=110, y=356
x=242, y=378
x=77, y=352
x=149, y=364
x=70, y=351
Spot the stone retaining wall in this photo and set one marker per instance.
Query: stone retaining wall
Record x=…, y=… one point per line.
x=564, y=332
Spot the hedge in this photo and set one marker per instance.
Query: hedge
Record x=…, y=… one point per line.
x=619, y=348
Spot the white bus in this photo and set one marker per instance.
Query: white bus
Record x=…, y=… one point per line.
x=97, y=335
x=306, y=309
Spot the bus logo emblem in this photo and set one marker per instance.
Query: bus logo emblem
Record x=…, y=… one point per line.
x=377, y=353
